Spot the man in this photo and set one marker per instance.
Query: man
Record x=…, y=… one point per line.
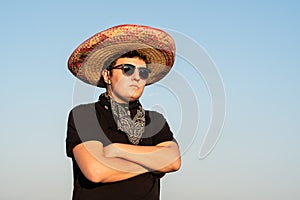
x=119, y=150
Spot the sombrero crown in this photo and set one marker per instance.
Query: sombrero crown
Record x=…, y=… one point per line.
x=90, y=58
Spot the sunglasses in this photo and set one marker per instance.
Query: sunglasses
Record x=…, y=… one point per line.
x=128, y=70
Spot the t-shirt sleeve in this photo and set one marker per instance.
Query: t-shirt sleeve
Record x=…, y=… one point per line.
x=159, y=128
x=73, y=138
x=83, y=125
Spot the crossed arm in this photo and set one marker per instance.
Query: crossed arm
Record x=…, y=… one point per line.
x=164, y=157
x=118, y=161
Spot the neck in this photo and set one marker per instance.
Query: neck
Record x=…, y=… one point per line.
x=119, y=99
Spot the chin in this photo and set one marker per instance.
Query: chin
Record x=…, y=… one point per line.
x=135, y=97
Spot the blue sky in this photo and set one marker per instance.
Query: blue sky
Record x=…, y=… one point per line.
x=254, y=46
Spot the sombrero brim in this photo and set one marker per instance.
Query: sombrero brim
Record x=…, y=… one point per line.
x=90, y=58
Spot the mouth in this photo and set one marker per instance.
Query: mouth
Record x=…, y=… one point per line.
x=134, y=86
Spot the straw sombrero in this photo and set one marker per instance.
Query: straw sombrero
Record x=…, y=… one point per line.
x=90, y=58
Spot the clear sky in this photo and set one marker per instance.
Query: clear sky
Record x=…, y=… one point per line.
x=254, y=47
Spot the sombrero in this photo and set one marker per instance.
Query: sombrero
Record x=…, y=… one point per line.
x=89, y=59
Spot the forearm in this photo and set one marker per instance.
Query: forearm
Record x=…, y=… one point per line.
x=117, y=169
x=98, y=168
x=164, y=157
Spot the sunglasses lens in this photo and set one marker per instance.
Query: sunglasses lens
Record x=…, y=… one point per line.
x=128, y=69
x=144, y=73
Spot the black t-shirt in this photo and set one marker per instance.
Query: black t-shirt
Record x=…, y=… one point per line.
x=95, y=122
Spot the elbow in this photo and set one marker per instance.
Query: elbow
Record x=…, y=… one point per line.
x=172, y=167
x=95, y=175
x=176, y=165
x=95, y=179
x=99, y=178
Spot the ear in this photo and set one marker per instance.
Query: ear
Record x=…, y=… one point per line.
x=106, y=75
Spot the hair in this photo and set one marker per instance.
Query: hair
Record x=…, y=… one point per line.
x=130, y=54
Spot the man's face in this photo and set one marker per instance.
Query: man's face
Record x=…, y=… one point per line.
x=126, y=88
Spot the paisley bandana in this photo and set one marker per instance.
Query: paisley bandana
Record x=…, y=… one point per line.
x=133, y=128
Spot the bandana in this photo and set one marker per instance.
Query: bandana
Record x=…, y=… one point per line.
x=133, y=127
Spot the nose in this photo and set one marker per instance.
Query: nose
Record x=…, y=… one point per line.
x=136, y=75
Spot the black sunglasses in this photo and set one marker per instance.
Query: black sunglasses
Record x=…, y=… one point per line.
x=128, y=70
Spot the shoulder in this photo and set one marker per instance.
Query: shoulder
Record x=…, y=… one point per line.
x=158, y=127
x=155, y=119
x=155, y=115
x=82, y=108
x=82, y=112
